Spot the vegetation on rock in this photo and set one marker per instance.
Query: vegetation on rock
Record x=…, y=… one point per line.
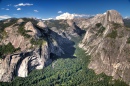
x=101, y=28
x=66, y=72
x=23, y=32
x=63, y=71
x=113, y=34
x=116, y=25
x=128, y=40
x=7, y=49
x=37, y=41
x=98, y=25
x=3, y=25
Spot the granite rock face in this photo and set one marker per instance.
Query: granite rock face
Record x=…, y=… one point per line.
x=22, y=64
x=20, y=21
x=41, y=24
x=33, y=60
x=33, y=31
x=32, y=55
x=107, y=41
x=28, y=58
x=7, y=67
x=109, y=16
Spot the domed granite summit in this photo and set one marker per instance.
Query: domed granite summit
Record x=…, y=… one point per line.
x=41, y=24
x=105, y=18
x=107, y=41
x=113, y=16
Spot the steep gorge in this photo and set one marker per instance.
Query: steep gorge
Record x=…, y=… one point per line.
x=35, y=44
x=106, y=40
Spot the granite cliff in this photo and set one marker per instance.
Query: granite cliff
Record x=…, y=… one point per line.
x=107, y=41
x=28, y=44
x=33, y=43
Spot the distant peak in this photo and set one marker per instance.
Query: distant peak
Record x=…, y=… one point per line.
x=41, y=24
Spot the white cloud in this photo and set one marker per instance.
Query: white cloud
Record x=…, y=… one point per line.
x=23, y=4
x=36, y=11
x=9, y=5
x=59, y=11
x=18, y=8
x=48, y=19
x=7, y=9
x=127, y=17
x=4, y=17
x=2, y=8
x=72, y=16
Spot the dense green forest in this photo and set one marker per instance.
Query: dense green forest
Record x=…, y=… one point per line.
x=66, y=72
x=7, y=49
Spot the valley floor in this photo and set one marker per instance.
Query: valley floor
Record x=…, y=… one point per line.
x=66, y=72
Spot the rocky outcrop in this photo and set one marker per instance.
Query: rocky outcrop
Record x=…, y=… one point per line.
x=41, y=24
x=107, y=41
x=7, y=21
x=22, y=64
x=73, y=29
x=35, y=60
x=29, y=57
x=7, y=67
x=20, y=21
x=107, y=17
x=32, y=56
x=32, y=30
x=113, y=16
x=17, y=40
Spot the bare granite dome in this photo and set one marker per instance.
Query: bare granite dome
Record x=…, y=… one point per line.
x=113, y=16
x=108, y=17
x=33, y=30
x=41, y=24
x=105, y=18
x=107, y=43
x=20, y=21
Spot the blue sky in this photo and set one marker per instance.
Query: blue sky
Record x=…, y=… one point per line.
x=50, y=8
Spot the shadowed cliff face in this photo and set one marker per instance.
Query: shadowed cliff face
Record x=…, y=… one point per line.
x=31, y=51
x=127, y=22
x=33, y=43
x=107, y=41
